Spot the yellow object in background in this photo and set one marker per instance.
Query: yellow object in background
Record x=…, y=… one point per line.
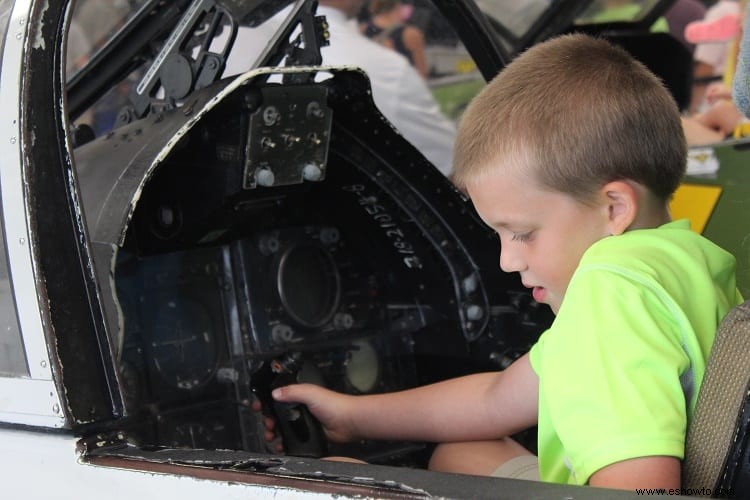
x=695, y=203
x=741, y=130
x=465, y=66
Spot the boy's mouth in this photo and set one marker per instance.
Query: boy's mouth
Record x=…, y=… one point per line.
x=539, y=293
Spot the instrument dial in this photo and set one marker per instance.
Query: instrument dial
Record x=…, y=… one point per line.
x=309, y=284
x=183, y=343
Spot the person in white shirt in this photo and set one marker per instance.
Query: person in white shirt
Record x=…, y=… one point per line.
x=398, y=91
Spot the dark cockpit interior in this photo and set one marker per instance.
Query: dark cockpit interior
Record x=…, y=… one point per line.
x=273, y=230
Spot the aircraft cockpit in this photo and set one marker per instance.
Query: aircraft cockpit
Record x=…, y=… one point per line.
x=202, y=200
x=273, y=227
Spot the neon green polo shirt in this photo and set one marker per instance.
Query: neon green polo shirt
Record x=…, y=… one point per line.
x=620, y=367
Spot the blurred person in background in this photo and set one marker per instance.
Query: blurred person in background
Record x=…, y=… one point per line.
x=714, y=59
x=388, y=25
x=399, y=92
x=717, y=36
x=78, y=49
x=680, y=14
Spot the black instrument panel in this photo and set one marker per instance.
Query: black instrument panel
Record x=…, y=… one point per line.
x=374, y=275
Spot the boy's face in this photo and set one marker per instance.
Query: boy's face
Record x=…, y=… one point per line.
x=543, y=234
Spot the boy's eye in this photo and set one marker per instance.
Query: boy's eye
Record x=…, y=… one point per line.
x=521, y=237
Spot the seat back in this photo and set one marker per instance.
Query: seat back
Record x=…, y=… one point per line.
x=716, y=451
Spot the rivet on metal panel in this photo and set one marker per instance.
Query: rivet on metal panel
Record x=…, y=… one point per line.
x=13, y=140
x=56, y=408
x=474, y=312
x=22, y=241
x=43, y=364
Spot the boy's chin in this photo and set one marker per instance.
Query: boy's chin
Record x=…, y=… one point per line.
x=542, y=296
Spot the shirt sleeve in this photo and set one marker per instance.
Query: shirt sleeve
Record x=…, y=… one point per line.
x=611, y=368
x=419, y=119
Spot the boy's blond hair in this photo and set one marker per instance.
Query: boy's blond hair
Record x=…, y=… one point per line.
x=581, y=112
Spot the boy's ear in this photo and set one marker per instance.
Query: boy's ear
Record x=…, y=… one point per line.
x=621, y=199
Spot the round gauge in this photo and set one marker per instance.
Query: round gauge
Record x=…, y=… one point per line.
x=363, y=368
x=310, y=374
x=308, y=284
x=183, y=345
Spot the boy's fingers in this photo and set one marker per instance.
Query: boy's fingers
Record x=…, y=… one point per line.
x=269, y=423
x=295, y=393
x=281, y=393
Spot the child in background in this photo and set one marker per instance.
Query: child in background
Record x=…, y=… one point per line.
x=715, y=38
x=388, y=26
x=718, y=118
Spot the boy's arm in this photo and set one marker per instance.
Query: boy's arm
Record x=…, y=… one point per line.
x=481, y=406
x=643, y=472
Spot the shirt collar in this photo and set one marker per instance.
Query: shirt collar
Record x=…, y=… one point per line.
x=677, y=224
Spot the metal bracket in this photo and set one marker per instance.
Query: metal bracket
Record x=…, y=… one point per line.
x=181, y=68
x=304, y=50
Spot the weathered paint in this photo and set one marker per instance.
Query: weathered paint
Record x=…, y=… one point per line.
x=46, y=465
x=38, y=403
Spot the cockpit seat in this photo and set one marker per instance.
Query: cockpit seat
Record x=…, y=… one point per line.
x=717, y=456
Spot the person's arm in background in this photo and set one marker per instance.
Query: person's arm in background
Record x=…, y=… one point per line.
x=418, y=117
x=702, y=74
x=414, y=41
x=712, y=125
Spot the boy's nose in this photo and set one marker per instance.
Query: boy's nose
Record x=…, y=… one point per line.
x=511, y=261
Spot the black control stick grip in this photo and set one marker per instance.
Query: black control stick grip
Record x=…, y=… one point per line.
x=300, y=431
x=302, y=434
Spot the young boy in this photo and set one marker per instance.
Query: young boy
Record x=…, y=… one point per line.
x=571, y=154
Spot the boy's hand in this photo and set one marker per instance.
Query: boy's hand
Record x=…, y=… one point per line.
x=332, y=409
x=274, y=443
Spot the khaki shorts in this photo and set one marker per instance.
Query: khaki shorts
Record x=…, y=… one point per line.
x=523, y=467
